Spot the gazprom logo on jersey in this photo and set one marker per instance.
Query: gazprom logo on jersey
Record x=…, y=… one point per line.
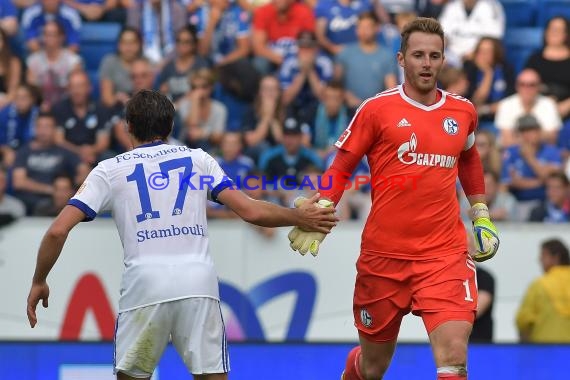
x=407, y=154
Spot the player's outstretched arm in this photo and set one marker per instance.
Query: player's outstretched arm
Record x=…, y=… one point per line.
x=309, y=217
x=50, y=248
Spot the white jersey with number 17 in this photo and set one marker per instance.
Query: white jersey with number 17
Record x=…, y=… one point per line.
x=157, y=194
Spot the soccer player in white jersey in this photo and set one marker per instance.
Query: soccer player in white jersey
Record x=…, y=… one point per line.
x=157, y=194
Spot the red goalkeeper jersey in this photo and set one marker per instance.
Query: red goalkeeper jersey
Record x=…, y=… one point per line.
x=413, y=152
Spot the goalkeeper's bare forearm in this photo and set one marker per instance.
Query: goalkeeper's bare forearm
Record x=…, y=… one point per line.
x=266, y=214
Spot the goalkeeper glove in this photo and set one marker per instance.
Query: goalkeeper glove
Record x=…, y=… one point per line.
x=304, y=241
x=484, y=232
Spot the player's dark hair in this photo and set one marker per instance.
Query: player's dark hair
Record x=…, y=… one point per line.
x=556, y=248
x=150, y=116
x=423, y=25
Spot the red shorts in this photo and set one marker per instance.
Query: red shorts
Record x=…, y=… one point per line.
x=439, y=290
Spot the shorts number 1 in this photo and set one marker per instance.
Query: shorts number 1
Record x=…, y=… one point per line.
x=467, y=291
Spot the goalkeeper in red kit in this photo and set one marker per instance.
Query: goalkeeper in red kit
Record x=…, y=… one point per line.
x=413, y=254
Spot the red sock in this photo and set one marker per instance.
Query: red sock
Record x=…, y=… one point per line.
x=352, y=369
x=450, y=377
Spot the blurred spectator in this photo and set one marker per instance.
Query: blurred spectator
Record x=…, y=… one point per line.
x=255, y=189
x=395, y=7
x=91, y=10
x=235, y=165
x=527, y=100
x=173, y=79
x=40, y=162
x=284, y=162
x=556, y=207
x=50, y=66
x=275, y=29
x=83, y=124
x=454, y=80
x=142, y=76
x=262, y=124
x=552, y=63
x=223, y=32
x=365, y=68
x=10, y=71
x=544, y=314
x=390, y=36
x=483, y=326
x=231, y=160
x=488, y=151
x=115, y=70
x=303, y=77
x=331, y=119
x=336, y=22
x=203, y=118
x=358, y=202
x=38, y=15
x=502, y=204
x=63, y=190
x=8, y=17
x=465, y=22
x=10, y=207
x=17, y=122
x=158, y=21
x=527, y=166
x=430, y=8
x=490, y=79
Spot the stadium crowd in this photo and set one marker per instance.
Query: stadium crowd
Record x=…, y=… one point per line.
x=267, y=87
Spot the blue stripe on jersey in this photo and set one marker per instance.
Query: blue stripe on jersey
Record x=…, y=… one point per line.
x=221, y=186
x=225, y=356
x=115, y=344
x=90, y=214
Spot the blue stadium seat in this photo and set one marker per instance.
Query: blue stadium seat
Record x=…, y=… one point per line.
x=520, y=43
x=520, y=13
x=94, y=78
x=96, y=40
x=550, y=8
x=100, y=32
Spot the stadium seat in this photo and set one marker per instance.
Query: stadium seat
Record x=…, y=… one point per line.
x=96, y=40
x=550, y=8
x=520, y=13
x=94, y=78
x=520, y=43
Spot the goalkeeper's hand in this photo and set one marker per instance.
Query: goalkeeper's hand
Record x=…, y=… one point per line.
x=484, y=233
x=304, y=241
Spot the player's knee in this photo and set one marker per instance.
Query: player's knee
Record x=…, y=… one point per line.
x=374, y=370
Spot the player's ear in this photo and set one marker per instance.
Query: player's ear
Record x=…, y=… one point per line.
x=400, y=57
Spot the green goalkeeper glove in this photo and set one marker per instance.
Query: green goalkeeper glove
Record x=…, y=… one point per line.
x=484, y=232
x=304, y=241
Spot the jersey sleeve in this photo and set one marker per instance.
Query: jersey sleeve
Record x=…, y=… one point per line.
x=94, y=195
x=219, y=179
x=360, y=133
x=472, y=128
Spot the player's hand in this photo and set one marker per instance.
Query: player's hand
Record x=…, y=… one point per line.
x=484, y=233
x=306, y=241
x=37, y=292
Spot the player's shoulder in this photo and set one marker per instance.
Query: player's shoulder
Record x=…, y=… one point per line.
x=383, y=98
x=458, y=99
